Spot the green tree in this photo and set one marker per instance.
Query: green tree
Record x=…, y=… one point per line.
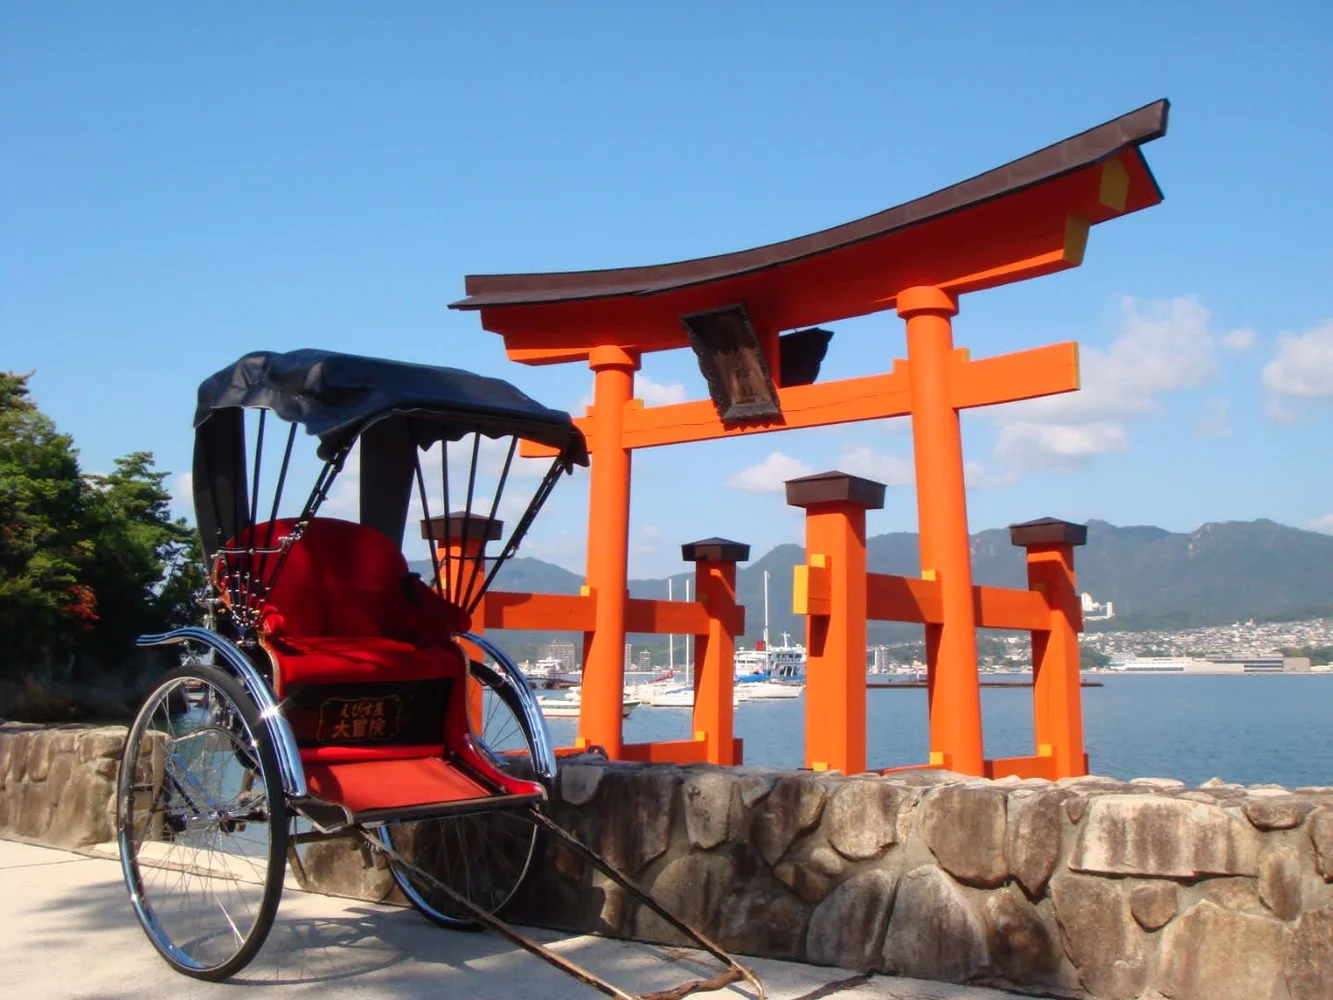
x=145, y=568
x=86, y=562
x=45, y=608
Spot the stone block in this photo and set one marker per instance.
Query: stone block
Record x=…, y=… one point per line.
x=1101, y=936
x=1281, y=812
x=80, y=816
x=1153, y=904
x=862, y=817
x=1280, y=882
x=762, y=919
x=847, y=928
x=579, y=783
x=826, y=861
x=1321, y=835
x=709, y=818
x=1162, y=837
x=1209, y=952
x=933, y=933
x=965, y=829
x=802, y=879
x=754, y=787
x=793, y=806
x=1308, y=963
x=635, y=812
x=1020, y=944
x=1033, y=838
x=691, y=888
x=104, y=743
x=39, y=756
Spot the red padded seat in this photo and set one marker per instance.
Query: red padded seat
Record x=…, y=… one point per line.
x=345, y=608
x=368, y=670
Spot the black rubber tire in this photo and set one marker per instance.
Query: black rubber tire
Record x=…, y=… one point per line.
x=462, y=844
x=232, y=716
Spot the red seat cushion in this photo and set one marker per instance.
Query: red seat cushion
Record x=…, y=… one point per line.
x=353, y=660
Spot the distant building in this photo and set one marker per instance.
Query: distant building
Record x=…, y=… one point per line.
x=564, y=653
x=629, y=656
x=1093, y=611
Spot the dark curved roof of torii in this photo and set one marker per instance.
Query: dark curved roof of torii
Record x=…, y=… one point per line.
x=1075, y=153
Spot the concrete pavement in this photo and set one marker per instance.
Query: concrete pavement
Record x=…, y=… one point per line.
x=69, y=931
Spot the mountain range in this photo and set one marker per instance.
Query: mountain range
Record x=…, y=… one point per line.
x=1220, y=573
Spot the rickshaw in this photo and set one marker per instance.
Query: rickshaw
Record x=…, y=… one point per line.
x=333, y=693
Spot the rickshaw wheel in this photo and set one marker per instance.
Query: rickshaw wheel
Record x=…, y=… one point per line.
x=484, y=857
x=202, y=822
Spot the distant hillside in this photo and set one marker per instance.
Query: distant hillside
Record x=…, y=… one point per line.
x=1220, y=573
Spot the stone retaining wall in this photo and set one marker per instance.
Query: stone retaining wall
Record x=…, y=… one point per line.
x=57, y=783
x=1089, y=887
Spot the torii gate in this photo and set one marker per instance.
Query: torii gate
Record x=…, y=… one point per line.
x=1028, y=218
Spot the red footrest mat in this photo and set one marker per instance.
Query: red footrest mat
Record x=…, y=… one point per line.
x=366, y=786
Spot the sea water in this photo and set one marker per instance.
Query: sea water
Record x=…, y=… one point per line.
x=1249, y=729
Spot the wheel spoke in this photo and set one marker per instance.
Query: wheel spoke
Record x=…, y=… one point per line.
x=201, y=820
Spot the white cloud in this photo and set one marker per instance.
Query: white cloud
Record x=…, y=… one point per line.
x=1239, y=340
x=1324, y=523
x=1162, y=347
x=652, y=393
x=1034, y=445
x=1303, y=366
x=864, y=461
x=770, y=474
x=657, y=393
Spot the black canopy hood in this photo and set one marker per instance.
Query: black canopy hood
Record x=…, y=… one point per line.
x=397, y=406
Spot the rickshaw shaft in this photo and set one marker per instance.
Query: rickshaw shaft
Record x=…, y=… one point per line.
x=735, y=972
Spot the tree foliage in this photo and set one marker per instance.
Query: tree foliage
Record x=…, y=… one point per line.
x=86, y=562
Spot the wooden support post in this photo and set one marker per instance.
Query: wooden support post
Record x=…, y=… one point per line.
x=835, y=675
x=1057, y=694
x=954, y=689
x=715, y=562
x=600, y=715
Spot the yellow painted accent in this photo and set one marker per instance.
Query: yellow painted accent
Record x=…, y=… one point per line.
x=929, y=574
x=1078, y=370
x=585, y=591
x=1045, y=750
x=1076, y=239
x=937, y=758
x=581, y=742
x=700, y=736
x=819, y=559
x=634, y=404
x=800, y=590
x=1113, y=191
x=818, y=765
x=963, y=354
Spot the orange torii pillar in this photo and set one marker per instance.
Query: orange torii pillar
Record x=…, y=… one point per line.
x=951, y=647
x=1057, y=695
x=715, y=562
x=835, y=672
x=600, y=715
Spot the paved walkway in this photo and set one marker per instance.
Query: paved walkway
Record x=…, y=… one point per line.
x=69, y=932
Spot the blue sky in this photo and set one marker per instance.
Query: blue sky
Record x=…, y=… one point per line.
x=180, y=184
